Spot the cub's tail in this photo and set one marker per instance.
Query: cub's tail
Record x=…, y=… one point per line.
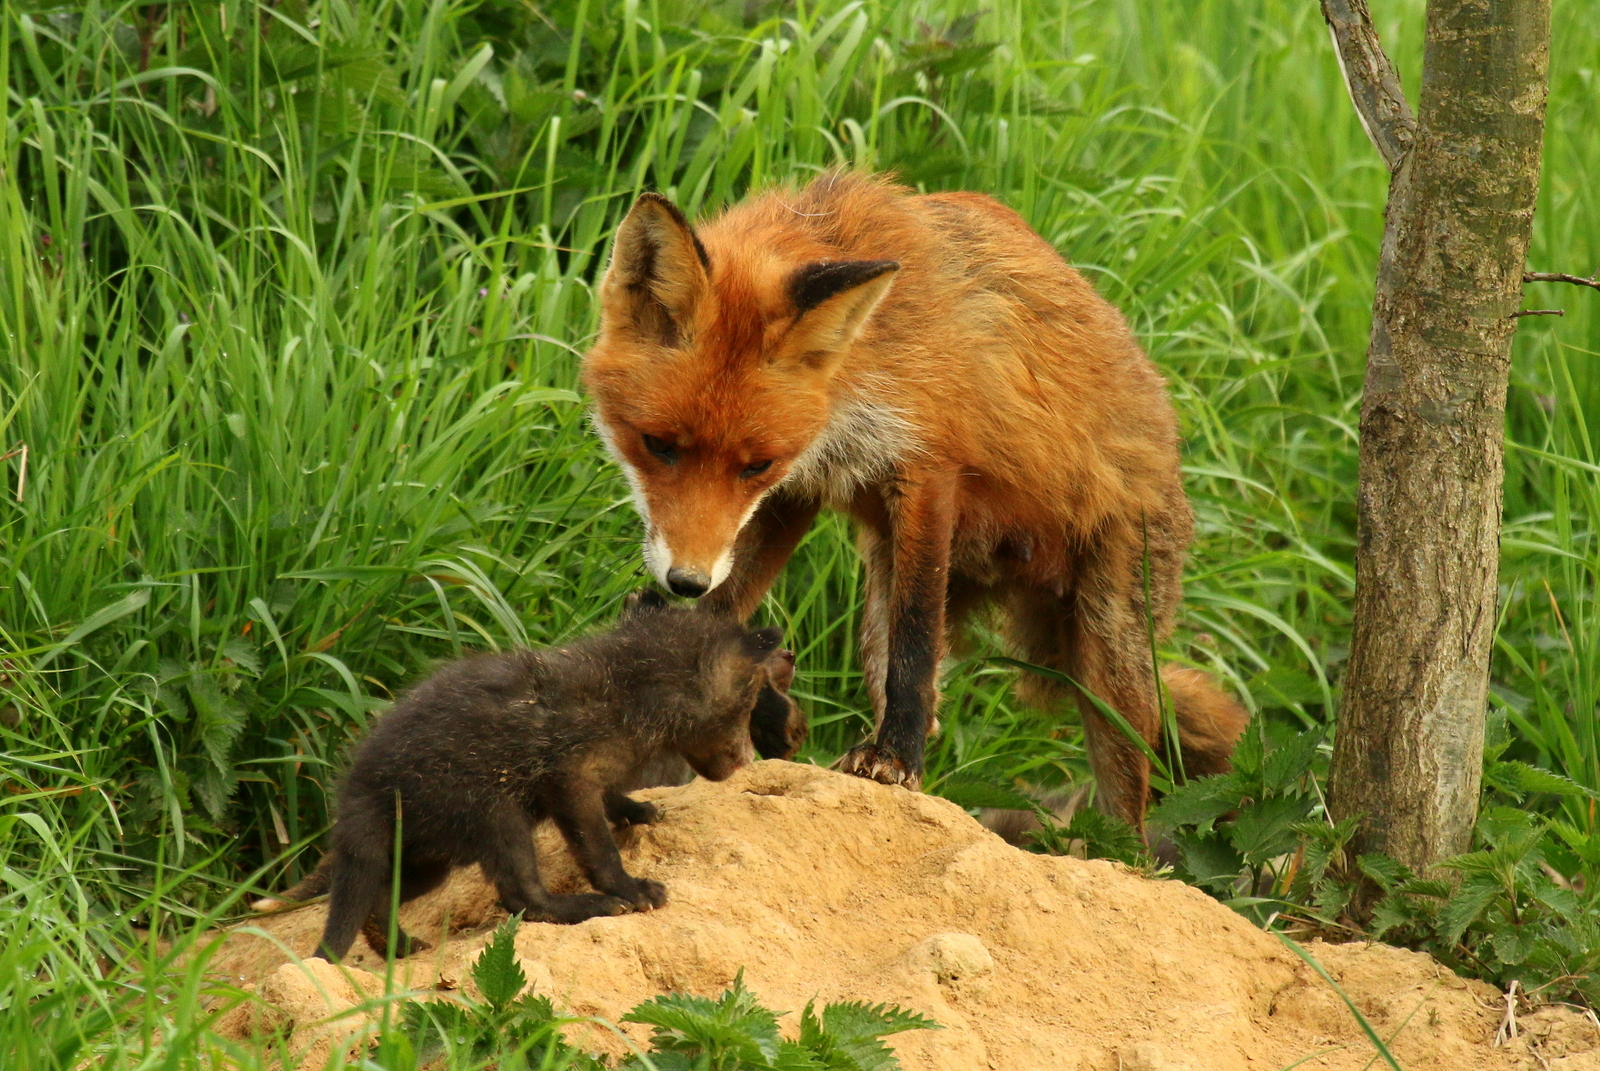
x=1209, y=720
x=313, y=885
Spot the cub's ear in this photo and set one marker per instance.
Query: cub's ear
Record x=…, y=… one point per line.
x=763, y=641
x=658, y=271
x=645, y=600
x=832, y=300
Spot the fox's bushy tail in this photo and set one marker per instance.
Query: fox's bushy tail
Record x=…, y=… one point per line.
x=1209, y=720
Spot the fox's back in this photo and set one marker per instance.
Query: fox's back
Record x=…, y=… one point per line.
x=989, y=351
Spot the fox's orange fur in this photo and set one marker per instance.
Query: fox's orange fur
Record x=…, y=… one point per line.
x=932, y=367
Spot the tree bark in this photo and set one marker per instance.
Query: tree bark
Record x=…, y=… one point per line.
x=1408, y=753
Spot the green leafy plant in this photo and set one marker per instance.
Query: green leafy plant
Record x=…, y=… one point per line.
x=1093, y=834
x=1507, y=916
x=733, y=1032
x=1239, y=834
x=513, y=1029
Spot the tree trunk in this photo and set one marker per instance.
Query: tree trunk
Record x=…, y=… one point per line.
x=1408, y=753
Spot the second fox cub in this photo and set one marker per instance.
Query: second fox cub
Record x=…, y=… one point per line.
x=472, y=758
x=932, y=367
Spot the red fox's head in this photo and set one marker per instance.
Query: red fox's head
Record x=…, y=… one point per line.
x=711, y=375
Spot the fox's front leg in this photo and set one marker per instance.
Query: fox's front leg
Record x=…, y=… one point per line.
x=762, y=549
x=905, y=629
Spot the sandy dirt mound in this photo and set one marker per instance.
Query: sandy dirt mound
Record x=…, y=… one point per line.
x=824, y=886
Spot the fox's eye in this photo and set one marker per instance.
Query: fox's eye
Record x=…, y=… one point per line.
x=661, y=448
x=755, y=469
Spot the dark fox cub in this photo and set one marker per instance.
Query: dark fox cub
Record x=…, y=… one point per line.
x=473, y=757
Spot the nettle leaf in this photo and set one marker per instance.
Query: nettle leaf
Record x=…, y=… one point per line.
x=1292, y=761
x=1508, y=826
x=1266, y=829
x=497, y=973
x=1200, y=802
x=214, y=787
x=243, y=654
x=1467, y=906
x=1497, y=727
x=965, y=790
x=219, y=720
x=1324, y=843
x=732, y=1028
x=1513, y=944
x=1396, y=912
x=1210, y=860
x=1386, y=872
x=1564, y=902
x=1519, y=779
x=1427, y=887
x=793, y=1056
x=664, y=1061
x=433, y=1024
x=847, y=1036
x=1106, y=836
x=1584, y=845
x=395, y=1052
x=1250, y=751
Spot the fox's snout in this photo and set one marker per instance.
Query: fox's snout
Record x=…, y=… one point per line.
x=689, y=583
x=689, y=556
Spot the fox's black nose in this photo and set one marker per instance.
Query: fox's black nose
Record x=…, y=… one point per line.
x=690, y=583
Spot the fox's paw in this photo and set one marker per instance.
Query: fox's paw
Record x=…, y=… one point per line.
x=879, y=763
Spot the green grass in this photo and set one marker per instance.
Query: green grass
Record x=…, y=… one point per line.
x=291, y=298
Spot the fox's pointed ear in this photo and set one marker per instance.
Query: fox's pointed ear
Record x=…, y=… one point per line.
x=658, y=271
x=832, y=301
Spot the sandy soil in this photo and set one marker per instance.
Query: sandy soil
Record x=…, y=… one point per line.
x=825, y=886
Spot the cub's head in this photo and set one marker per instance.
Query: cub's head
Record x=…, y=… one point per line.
x=711, y=376
x=743, y=677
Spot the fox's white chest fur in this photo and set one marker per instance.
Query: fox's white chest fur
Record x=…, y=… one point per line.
x=862, y=443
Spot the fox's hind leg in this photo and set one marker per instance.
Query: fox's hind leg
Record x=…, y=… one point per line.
x=1097, y=632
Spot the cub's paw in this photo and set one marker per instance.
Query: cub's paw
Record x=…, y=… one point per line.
x=878, y=762
x=629, y=812
x=582, y=906
x=377, y=936
x=642, y=894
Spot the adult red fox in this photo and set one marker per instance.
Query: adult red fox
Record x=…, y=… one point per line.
x=932, y=367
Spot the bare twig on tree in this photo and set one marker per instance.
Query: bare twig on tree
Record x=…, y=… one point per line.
x=1539, y=312
x=1371, y=79
x=1559, y=277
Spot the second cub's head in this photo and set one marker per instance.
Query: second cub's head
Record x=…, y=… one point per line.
x=712, y=374
x=734, y=667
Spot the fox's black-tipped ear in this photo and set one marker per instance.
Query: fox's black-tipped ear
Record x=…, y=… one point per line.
x=832, y=301
x=645, y=600
x=763, y=641
x=658, y=271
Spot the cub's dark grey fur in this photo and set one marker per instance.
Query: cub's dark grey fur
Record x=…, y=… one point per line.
x=473, y=757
